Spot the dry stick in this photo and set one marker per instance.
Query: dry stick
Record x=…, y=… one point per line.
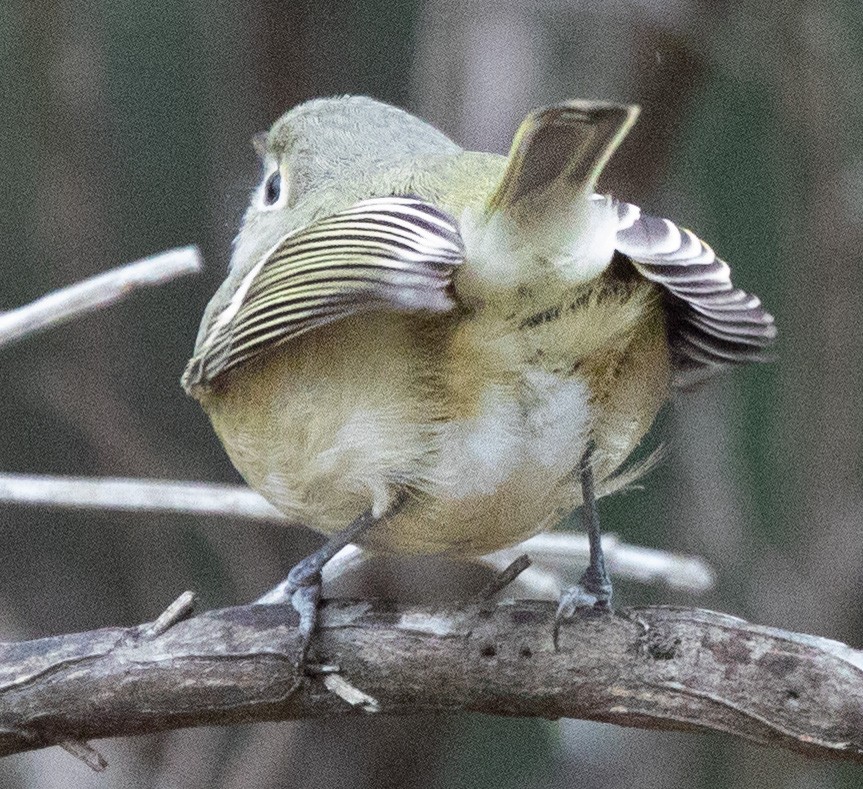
x=81, y=749
x=655, y=667
x=179, y=610
x=503, y=579
x=136, y=495
x=76, y=300
x=560, y=550
x=92, y=294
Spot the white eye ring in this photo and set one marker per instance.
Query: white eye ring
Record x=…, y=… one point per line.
x=274, y=193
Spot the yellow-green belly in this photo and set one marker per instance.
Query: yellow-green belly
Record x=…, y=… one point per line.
x=483, y=434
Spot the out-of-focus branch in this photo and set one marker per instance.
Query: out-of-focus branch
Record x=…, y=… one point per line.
x=558, y=552
x=136, y=495
x=92, y=294
x=659, y=668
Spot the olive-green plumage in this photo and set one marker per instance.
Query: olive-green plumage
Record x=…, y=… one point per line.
x=461, y=339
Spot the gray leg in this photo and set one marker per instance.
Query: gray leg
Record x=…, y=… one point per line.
x=594, y=588
x=302, y=587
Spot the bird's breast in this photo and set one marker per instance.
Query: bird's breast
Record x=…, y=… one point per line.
x=481, y=417
x=327, y=425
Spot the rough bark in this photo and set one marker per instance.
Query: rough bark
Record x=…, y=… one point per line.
x=656, y=667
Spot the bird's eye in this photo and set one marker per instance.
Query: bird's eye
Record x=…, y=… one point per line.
x=273, y=188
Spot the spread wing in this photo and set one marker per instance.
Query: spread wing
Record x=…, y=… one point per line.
x=394, y=253
x=711, y=324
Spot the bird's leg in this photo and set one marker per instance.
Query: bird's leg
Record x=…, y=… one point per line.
x=302, y=587
x=594, y=588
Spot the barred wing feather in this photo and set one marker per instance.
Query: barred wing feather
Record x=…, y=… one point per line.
x=711, y=324
x=383, y=253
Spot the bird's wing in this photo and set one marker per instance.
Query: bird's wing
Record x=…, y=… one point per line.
x=394, y=253
x=711, y=324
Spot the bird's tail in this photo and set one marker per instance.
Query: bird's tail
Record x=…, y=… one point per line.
x=561, y=149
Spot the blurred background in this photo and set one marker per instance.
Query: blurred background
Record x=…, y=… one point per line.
x=125, y=129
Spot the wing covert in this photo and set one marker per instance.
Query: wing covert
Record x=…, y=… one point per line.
x=382, y=253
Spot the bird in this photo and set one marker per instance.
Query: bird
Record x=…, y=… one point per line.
x=428, y=350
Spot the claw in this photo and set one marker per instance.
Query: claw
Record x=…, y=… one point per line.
x=302, y=587
x=580, y=597
x=305, y=601
x=577, y=598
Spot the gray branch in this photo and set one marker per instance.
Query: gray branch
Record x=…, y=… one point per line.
x=554, y=551
x=659, y=667
x=124, y=494
x=95, y=293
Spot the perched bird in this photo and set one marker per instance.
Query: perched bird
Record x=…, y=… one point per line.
x=429, y=350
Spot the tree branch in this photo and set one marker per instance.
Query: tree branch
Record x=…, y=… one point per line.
x=126, y=494
x=92, y=294
x=558, y=551
x=658, y=667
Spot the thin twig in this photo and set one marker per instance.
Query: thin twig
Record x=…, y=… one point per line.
x=504, y=578
x=336, y=683
x=560, y=551
x=179, y=610
x=81, y=749
x=92, y=294
x=137, y=495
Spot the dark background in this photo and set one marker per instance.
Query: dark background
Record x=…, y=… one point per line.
x=124, y=130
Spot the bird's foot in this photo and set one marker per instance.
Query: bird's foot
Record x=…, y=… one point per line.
x=306, y=601
x=302, y=589
x=591, y=593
